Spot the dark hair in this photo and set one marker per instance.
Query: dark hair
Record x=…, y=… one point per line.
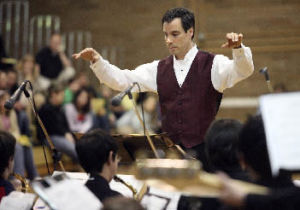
x=93, y=150
x=54, y=88
x=221, y=144
x=186, y=16
x=7, y=149
x=86, y=108
x=252, y=145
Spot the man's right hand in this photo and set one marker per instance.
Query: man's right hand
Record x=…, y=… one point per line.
x=88, y=54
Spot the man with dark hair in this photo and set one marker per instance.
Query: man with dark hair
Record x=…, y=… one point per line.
x=189, y=83
x=56, y=123
x=7, y=151
x=97, y=154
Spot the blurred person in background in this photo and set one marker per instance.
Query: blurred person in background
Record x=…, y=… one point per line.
x=12, y=81
x=54, y=119
x=10, y=122
x=129, y=122
x=78, y=113
x=53, y=62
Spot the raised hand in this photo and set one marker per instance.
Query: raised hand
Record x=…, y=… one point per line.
x=88, y=54
x=234, y=40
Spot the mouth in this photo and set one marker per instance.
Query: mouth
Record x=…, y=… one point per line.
x=172, y=48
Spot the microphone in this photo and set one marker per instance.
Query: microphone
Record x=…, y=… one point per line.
x=116, y=100
x=264, y=71
x=13, y=99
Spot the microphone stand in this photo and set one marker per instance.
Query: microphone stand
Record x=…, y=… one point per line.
x=55, y=154
x=144, y=127
x=264, y=71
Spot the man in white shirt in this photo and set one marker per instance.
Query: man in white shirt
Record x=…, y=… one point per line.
x=189, y=83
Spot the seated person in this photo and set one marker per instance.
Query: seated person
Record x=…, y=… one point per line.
x=253, y=151
x=53, y=63
x=97, y=154
x=7, y=150
x=221, y=148
x=54, y=119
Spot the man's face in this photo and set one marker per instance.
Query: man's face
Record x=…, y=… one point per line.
x=177, y=40
x=55, y=43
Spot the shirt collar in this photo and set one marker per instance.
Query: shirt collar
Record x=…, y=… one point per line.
x=189, y=56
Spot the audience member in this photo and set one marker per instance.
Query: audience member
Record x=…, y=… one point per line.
x=3, y=80
x=28, y=70
x=54, y=119
x=53, y=62
x=12, y=81
x=97, y=154
x=7, y=150
x=78, y=113
x=10, y=122
x=129, y=122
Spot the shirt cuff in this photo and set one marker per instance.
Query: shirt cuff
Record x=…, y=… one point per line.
x=239, y=51
x=96, y=64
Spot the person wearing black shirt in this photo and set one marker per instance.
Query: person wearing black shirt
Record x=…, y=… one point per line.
x=97, y=154
x=53, y=62
x=55, y=122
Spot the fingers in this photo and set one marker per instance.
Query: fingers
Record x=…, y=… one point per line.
x=233, y=40
x=86, y=54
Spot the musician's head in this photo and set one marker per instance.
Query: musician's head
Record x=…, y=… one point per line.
x=7, y=151
x=221, y=145
x=253, y=148
x=97, y=153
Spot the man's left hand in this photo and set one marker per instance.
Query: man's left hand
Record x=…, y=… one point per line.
x=234, y=40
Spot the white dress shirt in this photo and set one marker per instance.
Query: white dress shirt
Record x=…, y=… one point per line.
x=225, y=73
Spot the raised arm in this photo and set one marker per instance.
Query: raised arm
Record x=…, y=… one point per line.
x=226, y=73
x=118, y=79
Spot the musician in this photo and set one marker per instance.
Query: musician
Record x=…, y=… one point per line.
x=189, y=82
x=253, y=152
x=97, y=154
x=7, y=150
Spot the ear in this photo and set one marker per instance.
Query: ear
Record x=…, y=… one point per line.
x=191, y=32
x=110, y=159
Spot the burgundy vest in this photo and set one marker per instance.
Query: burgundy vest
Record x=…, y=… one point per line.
x=187, y=111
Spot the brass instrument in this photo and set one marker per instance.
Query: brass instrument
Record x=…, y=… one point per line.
x=25, y=187
x=185, y=176
x=130, y=187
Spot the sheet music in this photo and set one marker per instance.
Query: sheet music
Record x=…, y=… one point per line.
x=281, y=115
x=17, y=200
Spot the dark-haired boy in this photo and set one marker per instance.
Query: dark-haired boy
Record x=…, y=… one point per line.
x=97, y=154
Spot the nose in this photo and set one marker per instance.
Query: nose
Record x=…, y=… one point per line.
x=168, y=40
